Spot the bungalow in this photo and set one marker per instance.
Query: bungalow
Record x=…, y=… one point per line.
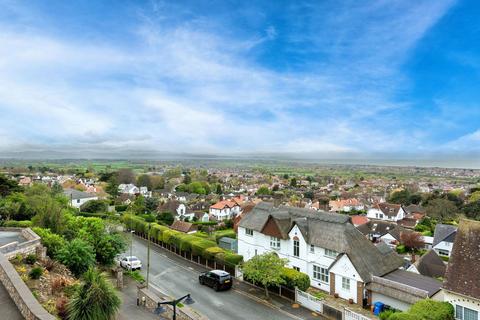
x=443, y=239
x=462, y=279
x=77, y=198
x=386, y=211
x=345, y=205
x=326, y=246
x=177, y=209
x=128, y=189
x=183, y=226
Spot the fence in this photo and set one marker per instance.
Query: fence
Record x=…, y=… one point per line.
x=350, y=315
x=308, y=301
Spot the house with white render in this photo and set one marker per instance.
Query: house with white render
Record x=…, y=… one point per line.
x=338, y=258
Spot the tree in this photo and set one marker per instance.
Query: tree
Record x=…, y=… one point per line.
x=8, y=186
x=94, y=206
x=263, y=190
x=412, y=240
x=49, y=213
x=187, y=179
x=125, y=176
x=426, y=309
x=95, y=299
x=108, y=247
x=112, y=187
x=472, y=210
x=56, y=189
x=441, y=209
x=474, y=197
x=77, y=255
x=293, y=182
x=265, y=269
x=151, y=204
x=166, y=217
x=219, y=189
x=157, y=182
x=144, y=180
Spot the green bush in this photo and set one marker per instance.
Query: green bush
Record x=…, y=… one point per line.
x=17, y=224
x=36, y=273
x=229, y=233
x=385, y=315
x=211, y=252
x=78, y=256
x=31, y=259
x=186, y=242
x=94, y=215
x=200, y=245
x=431, y=310
x=228, y=258
x=403, y=316
x=294, y=278
x=167, y=236
x=121, y=207
x=136, y=223
x=53, y=242
x=401, y=249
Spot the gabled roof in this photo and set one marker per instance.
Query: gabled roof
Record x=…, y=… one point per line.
x=414, y=208
x=74, y=194
x=183, y=226
x=431, y=265
x=462, y=274
x=444, y=232
x=326, y=230
x=224, y=204
x=388, y=209
x=376, y=227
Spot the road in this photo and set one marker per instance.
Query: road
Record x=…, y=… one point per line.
x=177, y=279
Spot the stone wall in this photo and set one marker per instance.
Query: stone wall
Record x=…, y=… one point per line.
x=29, y=307
x=30, y=246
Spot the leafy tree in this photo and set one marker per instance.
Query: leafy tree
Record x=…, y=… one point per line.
x=441, y=209
x=15, y=207
x=77, y=255
x=112, y=187
x=309, y=194
x=95, y=299
x=94, y=206
x=426, y=309
x=474, y=197
x=49, y=213
x=157, y=182
x=263, y=190
x=472, y=210
x=219, y=189
x=139, y=205
x=151, y=204
x=285, y=176
x=8, y=186
x=53, y=242
x=166, y=217
x=412, y=240
x=125, y=176
x=108, y=247
x=56, y=189
x=144, y=180
x=293, y=182
x=187, y=179
x=265, y=269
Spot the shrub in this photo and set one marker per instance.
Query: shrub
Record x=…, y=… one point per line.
x=167, y=236
x=36, y=273
x=228, y=258
x=50, y=264
x=61, y=306
x=94, y=215
x=31, y=259
x=401, y=249
x=93, y=206
x=17, y=224
x=157, y=231
x=385, y=315
x=78, y=256
x=294, y=278
x=229, y=233
x=58, y=283
x=211, y=252
x=186, y=242
x=403, y=316
x=430, y=310
x=200, y=245
x=121, y=207
x=135, y=275
x=53, y=242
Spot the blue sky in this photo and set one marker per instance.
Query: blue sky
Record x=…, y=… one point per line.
x=324, y=77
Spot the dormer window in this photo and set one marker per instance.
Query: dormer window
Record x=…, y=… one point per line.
x=312, y=248
x=331, y=253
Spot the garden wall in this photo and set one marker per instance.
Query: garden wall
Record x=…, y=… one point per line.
x=10, y=250
x=29, y=307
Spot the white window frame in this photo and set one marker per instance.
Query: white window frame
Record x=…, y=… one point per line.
x=249, y=232
x=345, y=283
x=296, y=248
x=331, y=253
x=321, y=274
x=460, y=313
x=275, y=243
x=312, y=248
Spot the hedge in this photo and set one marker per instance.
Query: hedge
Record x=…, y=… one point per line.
x=229, y=258
x=136, y=223
x=426, y=309
x=157, y=230
x=225, y=233
x=17, y=224
x=294, y=278
x=121, y=207
x=167, y=236
x=200, y=245
x=94, y=215
x=210, y=253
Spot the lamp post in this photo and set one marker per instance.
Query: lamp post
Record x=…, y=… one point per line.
x=131, y=241
x=173, y=303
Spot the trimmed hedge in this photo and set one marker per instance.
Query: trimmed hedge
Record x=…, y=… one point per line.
x=200, y=245
x=17, y=224
x=426, y=309
x=211, y=253
x=94, y=215
x=225, y=233
x=294, y=278
x=228, y=258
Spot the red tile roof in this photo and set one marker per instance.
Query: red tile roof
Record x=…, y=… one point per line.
x=359, y=220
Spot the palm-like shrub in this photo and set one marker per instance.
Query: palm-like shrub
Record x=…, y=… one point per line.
x=95, y=299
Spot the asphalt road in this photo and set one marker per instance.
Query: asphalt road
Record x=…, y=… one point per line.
x=176, y=280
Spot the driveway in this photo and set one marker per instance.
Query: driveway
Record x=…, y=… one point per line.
x=177, y=277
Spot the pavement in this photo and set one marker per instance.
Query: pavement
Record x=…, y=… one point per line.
x=8, y=309
x=176, y=277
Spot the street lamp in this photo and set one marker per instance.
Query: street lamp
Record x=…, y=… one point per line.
x=160, y=309
x=148, y=252
x=131, y=241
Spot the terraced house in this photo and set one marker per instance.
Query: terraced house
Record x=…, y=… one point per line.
x=338, y=258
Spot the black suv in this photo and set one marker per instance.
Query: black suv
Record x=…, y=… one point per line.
x=217, y=279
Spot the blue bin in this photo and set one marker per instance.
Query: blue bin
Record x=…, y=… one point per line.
x=378, y=308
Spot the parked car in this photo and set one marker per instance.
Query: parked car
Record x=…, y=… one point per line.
x=216, y=279
x=131, y=263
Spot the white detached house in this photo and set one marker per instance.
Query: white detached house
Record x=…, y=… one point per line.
x=387, y=212
x=326, y=246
